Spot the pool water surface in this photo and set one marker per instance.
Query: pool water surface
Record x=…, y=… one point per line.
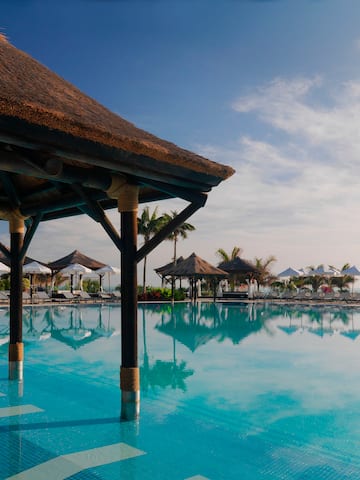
x=228, y=391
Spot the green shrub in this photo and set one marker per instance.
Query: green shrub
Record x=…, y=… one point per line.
x=160, y=294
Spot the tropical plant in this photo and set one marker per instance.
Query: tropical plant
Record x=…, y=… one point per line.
x=315, y=281
x=180, y=232
x=148, y=225
x=225, y=257
x=91, y=286
x=342, y=282
x=263, y=272
x=161, y=294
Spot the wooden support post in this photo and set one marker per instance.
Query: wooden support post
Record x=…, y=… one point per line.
x=129, y=371
x=16, y=346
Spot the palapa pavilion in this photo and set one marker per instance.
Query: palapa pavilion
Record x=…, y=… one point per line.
x=63, y=154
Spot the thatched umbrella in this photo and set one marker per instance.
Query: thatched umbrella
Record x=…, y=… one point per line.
x=165, y=270
x=195, y=268
x=75, y=257
x=238, y=267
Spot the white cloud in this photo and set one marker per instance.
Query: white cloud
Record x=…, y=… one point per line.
x=295, y=192
x=293, y=107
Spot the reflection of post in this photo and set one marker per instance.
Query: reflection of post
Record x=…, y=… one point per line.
x=15, y=456
x=31, y=286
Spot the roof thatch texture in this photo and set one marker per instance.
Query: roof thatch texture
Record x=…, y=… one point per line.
x=196, y=267
x=237, y=265
x=167, y=269
x=75, y=257
x=32, y=95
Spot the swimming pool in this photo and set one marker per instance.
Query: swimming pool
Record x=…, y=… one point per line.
x=228, y=391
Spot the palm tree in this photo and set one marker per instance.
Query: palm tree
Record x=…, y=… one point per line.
x=315, y=281
x=148, y=225
x=225, y=257
x=264, y=275
x=180, y=232
x=342, y=282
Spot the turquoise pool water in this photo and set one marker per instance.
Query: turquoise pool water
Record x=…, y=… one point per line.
x=228, y=391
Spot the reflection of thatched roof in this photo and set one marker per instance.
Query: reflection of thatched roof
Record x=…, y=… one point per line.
x=166, y=269
x=74, y=337
x=50, y=117
x=196, y=267
x=237, y=265
x=192, y=336
x=75, y=257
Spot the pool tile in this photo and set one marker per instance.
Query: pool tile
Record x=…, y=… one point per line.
x=18, y=410
x=65, y=466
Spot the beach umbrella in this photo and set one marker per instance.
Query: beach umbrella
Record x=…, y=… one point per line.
x=75, y=269
x=35, y=268
x=74, y=258
x=107, y=270
x=237, y=265
x=195, y=268
x=321, y=271
x=352, y=271
x=4, y=269
x=290, y=272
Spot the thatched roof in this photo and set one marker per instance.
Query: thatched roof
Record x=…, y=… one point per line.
x=167, y=269
x=196, y=267
x=237, y=265
x=75, y=257
x=48, y=127
x=192, y=336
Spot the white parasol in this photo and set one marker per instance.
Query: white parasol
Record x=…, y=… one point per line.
x=107, y=270
x=4, y=269
x=35, y=268
x=75, y=269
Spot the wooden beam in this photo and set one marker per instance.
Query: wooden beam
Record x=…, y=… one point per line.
x=54, y=169
x=5, y=251
x=116, y=160
x=187, y=194
x=63, y=202
x=30, y=232
x=10, y=190
x=94, y=210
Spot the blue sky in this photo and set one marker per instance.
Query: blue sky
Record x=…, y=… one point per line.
x=271, y=88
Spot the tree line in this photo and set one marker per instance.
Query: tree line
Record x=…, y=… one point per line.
x=150, y=223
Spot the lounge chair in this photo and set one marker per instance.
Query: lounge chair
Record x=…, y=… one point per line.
x=4, y=298
x=64, y=297
x=84, y=296
x=26, y=297
x=41, y=297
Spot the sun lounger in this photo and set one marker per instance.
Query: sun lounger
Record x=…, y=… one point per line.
x=26, y=297
x=41, y=297
x=84, y=296
x=103, y=296
x=4, y=298
x=64, y=297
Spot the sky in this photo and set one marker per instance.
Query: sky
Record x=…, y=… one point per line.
x=271, y=88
